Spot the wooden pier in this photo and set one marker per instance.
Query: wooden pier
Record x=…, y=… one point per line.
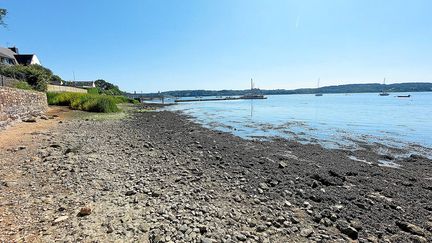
x=221, y=99
x=208, y=99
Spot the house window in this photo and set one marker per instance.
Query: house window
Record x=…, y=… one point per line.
x=5, y=60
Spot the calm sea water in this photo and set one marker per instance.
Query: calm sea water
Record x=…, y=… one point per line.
x=333, y=120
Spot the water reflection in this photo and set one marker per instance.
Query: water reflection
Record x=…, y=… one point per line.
x=339, y=120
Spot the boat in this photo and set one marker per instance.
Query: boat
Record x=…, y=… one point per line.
x=403, y=96
x=253, y=95
x=384, y=93
x=319, y=93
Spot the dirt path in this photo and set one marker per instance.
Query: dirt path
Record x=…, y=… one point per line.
x=21, y=133
x=18, y=145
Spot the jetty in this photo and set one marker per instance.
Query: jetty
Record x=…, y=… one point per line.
x=207, y=99
x=244, y=97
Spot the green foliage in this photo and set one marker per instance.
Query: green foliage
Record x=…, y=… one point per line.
x=56, y=79
x=93, y=91
x=3, y=13
x=35, y=75
x=107, y=88
x=123, y=99
x=23, y=85
x=88, y=102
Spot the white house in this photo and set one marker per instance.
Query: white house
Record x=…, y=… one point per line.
x=27, y=59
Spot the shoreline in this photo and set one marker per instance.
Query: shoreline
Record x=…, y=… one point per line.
x=381, y=146
x=159, y=177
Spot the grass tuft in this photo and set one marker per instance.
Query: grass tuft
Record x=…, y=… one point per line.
x=88, y=102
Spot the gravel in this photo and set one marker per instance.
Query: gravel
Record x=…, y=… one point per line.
x=159, y=177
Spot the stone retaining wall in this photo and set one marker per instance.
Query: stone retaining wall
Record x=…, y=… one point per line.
x=8, y=82
x=17, y=105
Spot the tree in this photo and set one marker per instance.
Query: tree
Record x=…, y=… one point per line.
x=3, y=13
x=35, y=75
x=56, y=79
x=105, y=87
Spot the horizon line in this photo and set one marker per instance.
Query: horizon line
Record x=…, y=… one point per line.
x=332, y=85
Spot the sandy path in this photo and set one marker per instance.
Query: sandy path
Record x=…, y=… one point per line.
x=21, y=139
x=21, y=133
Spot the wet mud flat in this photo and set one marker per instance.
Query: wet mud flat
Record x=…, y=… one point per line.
x=159, y=177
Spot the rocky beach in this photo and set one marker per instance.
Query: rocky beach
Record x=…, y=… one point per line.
x=156, y=176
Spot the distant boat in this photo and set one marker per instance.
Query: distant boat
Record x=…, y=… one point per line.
x=319, y=93
x=384, y=93
x=253, y=95
x=404, y=96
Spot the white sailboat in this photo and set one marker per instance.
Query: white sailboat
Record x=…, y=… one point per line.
x=384, y=93
x=318, y=93
x=253, y=95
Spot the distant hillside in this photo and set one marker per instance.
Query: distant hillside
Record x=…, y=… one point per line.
x=347, y=88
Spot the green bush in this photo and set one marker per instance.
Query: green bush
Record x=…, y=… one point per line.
x=93, y=91
x=85, y=102
x=23, y=85
x=123, y=99
x=35, y=75
x=107, y=88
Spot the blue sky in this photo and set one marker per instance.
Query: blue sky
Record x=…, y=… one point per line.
x=152, y=45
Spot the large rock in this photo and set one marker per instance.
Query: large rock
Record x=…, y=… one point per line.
x=347, y=229
x=411, y=228
x=306, y=232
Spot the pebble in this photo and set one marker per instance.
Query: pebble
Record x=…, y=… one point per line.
x=31, y=120
x=241, y=237
x=130, y=193
x=411, y=228
x=261, y=228
x=346, y=229
x=61, y=218
x=207, y=240
x=287, y=204
x=177, y=199
x=306, y=232
x=85, y=211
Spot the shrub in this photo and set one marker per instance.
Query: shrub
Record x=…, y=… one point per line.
x=87, y=102
x=123, y=99
x=35, y=75
x=23, y=85
x=93, y=91
x=107, y=88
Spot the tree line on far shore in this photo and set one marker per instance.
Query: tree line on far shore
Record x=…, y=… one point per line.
x=348, y=88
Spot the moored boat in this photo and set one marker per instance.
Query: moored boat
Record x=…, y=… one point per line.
x=384, y=93
x=253, y=95
x=318, y=86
